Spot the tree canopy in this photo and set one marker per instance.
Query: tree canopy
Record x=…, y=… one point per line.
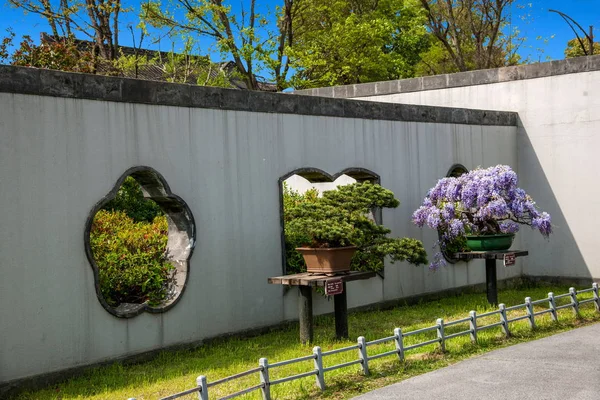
x=355, y=41
x=468, y=35
x=299, y=43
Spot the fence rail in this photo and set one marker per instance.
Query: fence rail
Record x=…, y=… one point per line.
x=362, y=345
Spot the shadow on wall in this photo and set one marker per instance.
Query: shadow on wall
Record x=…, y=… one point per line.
x=561, y=255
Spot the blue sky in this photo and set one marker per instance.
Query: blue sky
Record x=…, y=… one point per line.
x=540, y=24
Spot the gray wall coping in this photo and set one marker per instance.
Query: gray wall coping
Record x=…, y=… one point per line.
x=460, y=79
x=44, y=82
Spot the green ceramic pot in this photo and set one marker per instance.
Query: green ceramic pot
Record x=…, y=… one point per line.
x=490, y=242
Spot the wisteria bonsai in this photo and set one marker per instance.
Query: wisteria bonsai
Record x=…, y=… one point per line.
x=480, y=202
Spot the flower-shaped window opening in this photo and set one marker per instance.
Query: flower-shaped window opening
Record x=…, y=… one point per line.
x=304, y=184
x=139, y=239
x=459, y=245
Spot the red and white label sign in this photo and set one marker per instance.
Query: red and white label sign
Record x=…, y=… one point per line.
x=333, y=287
x=509, y=259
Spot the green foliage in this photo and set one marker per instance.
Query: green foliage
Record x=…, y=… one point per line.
x=293, y=237
x=181, y=67
x=574, y=48
x=234, y=35
x=356, y=41
x=130, y=200
x=341, y=218
x=131, y=259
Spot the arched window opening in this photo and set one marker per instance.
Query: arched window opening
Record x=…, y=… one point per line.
x=304, y=184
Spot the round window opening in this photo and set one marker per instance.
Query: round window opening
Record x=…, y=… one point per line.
x=139, y=239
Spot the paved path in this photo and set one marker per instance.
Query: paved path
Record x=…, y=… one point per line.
x=563, y=366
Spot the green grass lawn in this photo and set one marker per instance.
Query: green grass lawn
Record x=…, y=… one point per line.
x=172, y=372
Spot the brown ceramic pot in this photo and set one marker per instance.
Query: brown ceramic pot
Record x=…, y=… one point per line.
x=329, y=261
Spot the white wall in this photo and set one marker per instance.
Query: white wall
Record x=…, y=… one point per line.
x=59, y=156
x=558, y=162
x=301, y=185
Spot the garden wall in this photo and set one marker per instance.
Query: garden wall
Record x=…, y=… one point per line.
x=65, y=140
x=558, y=140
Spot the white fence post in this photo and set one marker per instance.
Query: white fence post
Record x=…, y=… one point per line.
x=399, y=340
x=440, y=333
x=264, y=379
x=530, y=313
x=203, y=392
x=473, y=326
x=362, y=354
x=319, y=367
x=596, y=296
x=574, y=302
x=552, y=304
x=504, y=319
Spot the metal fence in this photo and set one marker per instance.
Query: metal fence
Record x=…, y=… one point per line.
x=263, y=369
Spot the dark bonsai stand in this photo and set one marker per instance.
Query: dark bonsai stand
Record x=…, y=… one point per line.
x=306, y=282
x=491, y=279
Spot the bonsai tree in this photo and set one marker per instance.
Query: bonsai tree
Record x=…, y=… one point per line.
x=340, y=218
x=480, y=202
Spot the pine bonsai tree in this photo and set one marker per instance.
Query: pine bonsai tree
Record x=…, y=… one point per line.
x=342, y=218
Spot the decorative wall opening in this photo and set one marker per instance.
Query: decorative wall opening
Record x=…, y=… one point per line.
x=307, y=182
x=455, y=171
x=139, y=239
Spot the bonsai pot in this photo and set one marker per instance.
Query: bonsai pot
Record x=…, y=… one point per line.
x=329, y=261
x=490, y=242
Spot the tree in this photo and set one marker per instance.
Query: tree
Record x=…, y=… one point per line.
x=245, y=36
x=96, y=19
x=469, y=35
x=575, y=49
x=355, y=41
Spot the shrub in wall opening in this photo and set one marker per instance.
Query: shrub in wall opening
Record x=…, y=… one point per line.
x=480, y=202
x=130, y=199
x=131, y=258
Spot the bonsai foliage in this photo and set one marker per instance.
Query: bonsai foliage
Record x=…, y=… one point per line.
x=131, y=258
x=480, y=202
x=342, y=218
x=293, y=237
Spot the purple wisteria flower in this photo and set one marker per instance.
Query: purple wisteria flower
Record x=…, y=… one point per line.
x=480, y=202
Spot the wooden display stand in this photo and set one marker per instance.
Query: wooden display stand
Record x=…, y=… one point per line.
x=334, y=285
